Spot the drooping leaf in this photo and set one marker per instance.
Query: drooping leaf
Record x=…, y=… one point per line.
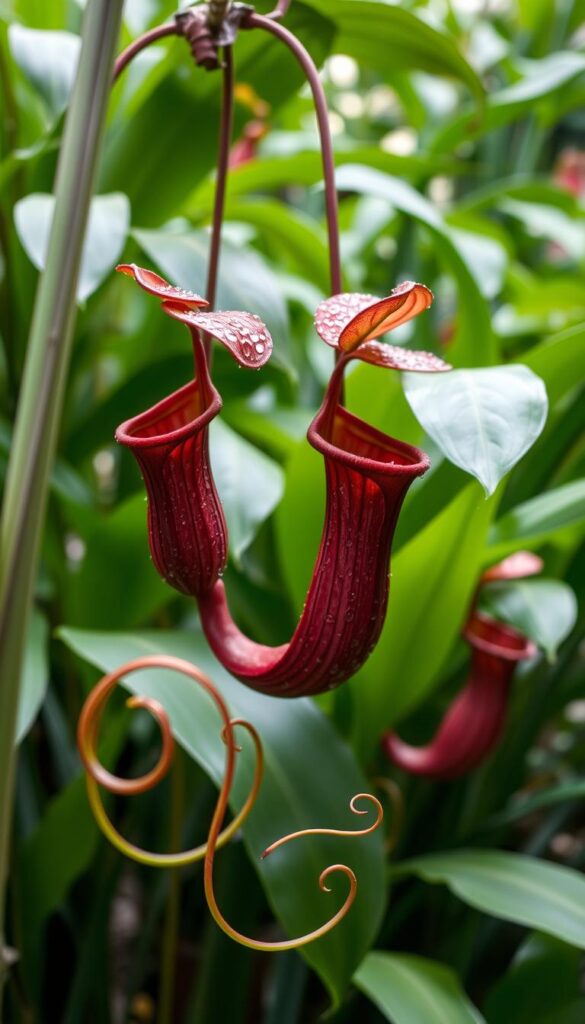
x=35, y=675
x=414, y=990
x=483, y=420
x=517, y=888
x=544, y=610
x=107, y=229
x=250, y=484
x=310, y=776
x=394, y=357
x=243, y=334
x=245, y=280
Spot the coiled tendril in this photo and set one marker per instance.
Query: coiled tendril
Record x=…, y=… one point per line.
x=98, y=775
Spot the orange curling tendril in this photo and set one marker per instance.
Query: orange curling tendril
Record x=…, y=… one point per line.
x=97, y=775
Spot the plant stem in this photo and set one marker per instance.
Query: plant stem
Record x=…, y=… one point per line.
x=43, y=385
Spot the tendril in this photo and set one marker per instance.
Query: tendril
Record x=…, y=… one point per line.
x=335, y=831
x=97, y=775
x=303, y=940
x=394, y=794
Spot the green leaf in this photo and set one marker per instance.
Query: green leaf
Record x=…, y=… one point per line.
x=482, y=420
x=414, y=990
x=533, y=522
x=35, y=675
x=521, y=889
x=117, y=583
x=433, y=578
x=250, y=484
x=310, y=777
x=245, y=280
x=543, y=978
x=107, y=229
x=474, y=342
x=556, y=358
x=49, y=61
x=296, y=236
x=544, y=610
x=541, y=82
x=373, y=30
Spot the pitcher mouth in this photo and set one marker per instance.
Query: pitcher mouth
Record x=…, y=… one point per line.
x=350, y=440
x=178, y=416
x=496, y=638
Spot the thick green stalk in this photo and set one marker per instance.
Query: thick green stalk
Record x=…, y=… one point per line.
x=43, y=383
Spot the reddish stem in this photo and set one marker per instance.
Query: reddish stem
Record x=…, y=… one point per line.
x=312, y=75
x=223, y=155
x=127, y=55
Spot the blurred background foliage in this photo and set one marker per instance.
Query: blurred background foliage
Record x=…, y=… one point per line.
x=459, y=135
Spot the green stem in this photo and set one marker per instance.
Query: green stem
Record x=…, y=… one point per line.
x=43, y=385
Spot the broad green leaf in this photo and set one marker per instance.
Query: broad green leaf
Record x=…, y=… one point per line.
x=433, y=578
x=295, y=235
x=107, y=229
x=246, y=282
x=482, y=420
x=542, y=980
x=544, y=610
x=474, y=342
x=116, y=583
x=271, y=173
x=529, y=525
x=249, y=483
x=414, y=990
x=527, y=891
x=49, y=61
x=35, y=675
x=370, y=30
x=310, y=777
x=542, y=81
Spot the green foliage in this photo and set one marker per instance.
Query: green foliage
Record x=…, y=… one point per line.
x=453, y=131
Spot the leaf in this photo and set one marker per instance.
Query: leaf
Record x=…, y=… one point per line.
x=433, y=578
x=555, y=360
x=350, y=319
x=49, y=61
x=156, y=285
x=482, y=420
x=544, y=610
x=107, y=229
x=474, y=343
x=116, y=583
x=394, y=357
x=243, y=334
x=542, y=81
x=533, y=522
x=543, y=978
x=35, y=675
x=414, y=990
x=245, y=280
x=250, y=484
x=372, y=30
x=310, y=776
x=527, y=891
